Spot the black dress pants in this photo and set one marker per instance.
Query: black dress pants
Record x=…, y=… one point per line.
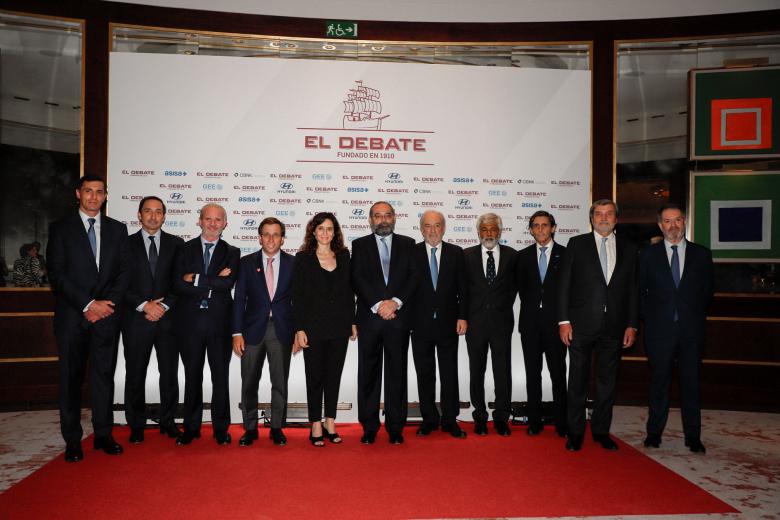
x=538, y=343
x=425, y=351
x=499, y=343
x=138, y=337
x=324, y=363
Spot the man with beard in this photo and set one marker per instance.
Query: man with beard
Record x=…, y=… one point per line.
x=597, y=314
x=206, y=269
x=490, y=269
x=675, y=287
x=384, y=279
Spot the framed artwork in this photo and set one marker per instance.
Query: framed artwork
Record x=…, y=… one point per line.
x=734, y=113
x=736, y=215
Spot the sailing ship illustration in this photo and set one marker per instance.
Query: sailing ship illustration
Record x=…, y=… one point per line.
x=362, y=109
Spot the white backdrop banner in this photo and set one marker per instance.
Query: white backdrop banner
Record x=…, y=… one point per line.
x=289, y=138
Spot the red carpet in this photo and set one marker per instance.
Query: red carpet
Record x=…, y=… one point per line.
x=433, y=477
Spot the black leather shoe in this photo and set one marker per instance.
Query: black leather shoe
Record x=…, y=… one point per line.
x=535, y=429
x=108, y=445
x=222, y=437
x=480, y=428
x=277, y=435
x=424, y=430
x=455, y=431
x=136, y=435
x=396, y=438
x=368, y=438
x=606, y=441
x=73, y=452
x=502, y=428
x=652, y=441
x=186, y=437
x=694, y=444
x=171, y=430
x=248, y=438
x=574, y=443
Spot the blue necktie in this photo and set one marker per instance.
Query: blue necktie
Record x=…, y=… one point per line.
x=384, y=256
x=603, y=258
x=542, y=263
x=434, y=268
x=490, y=270
x=204, y=303
x=92, y=237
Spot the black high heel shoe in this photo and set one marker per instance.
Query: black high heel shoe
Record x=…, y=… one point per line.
x=317, y=442
x=334, y=437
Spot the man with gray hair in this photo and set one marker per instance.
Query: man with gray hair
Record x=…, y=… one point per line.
x=490, y=271
x=439, y=320
x=206, y=269
x=598, y=312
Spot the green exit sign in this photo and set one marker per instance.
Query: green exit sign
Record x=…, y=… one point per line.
x=341, y=29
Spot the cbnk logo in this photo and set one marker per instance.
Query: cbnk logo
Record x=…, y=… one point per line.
x=176, y=196
x=286, y=186
x=357, y=212
x=394, y=176
x=250, y=222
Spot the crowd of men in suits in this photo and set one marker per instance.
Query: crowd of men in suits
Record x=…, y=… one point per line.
x=176, y=297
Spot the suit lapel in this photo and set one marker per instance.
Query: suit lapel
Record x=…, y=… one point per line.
x=260, y=272
x=594, y=255
x=82, y=241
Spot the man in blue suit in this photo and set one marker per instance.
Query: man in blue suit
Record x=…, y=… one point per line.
x=263, y=326
x=675, y=287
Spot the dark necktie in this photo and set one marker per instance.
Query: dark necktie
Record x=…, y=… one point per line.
x=91, y=236
x=490, y=272
x=152, y=255
x=204, y=303
x=675, y=267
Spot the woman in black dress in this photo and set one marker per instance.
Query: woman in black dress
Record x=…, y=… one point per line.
x=324, y=310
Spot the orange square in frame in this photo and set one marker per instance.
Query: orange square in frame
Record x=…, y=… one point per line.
x=741, y=124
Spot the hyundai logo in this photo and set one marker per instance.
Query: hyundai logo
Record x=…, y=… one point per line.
x=250, y=222
x=176, y=196
x=286, y=186
x=357, y=211
x=394, y=175
x=463, y=202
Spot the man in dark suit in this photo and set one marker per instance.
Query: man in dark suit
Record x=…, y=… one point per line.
x=147, y=322
x=675, y=288
x=206, y=269
x=88, y=270
x=490, y=270
x=597, y=313
x=439, y=319
x=263, y=326
x=537, y=283
x=384, y=279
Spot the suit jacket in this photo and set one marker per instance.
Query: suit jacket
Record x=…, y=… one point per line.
x=490, y=306
x=143, y=285
x=190, y=260
x=75, y=277
x=583, y=293
x=253, y=306
x=369, y=282
x=534, y=292
x=323, y=303
x=659, y=298
x=448, y=301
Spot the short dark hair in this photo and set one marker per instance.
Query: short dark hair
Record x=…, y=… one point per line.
x=541, y=213
x=91, y=178
x=270, y=221
x=377, y=203
x=602, y=202
x=669, y=205
x=310, y=241
x=25, y=249
x=151, y=197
